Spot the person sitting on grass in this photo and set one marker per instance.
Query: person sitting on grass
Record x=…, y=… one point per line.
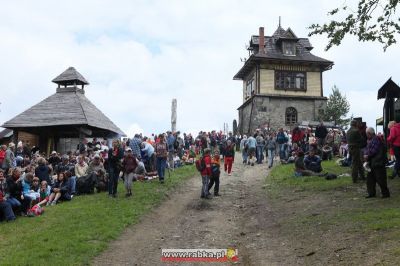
x=5, y=207
x=300, y=168
x=312, y=162
x=60, y=190
x=30, y=189
x=44, y=192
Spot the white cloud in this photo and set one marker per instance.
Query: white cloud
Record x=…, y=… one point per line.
x=138, y=55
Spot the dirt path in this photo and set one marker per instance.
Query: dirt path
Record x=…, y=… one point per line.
x=240, y=218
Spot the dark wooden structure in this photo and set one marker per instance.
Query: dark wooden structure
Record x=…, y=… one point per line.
x=65, y=114
x=389, y=91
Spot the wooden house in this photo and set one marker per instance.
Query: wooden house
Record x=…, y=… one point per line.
x=64, y=118
x=282, y=82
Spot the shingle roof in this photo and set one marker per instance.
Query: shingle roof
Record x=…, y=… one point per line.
x=273, y=51
x=69, y=76
x=66, y=107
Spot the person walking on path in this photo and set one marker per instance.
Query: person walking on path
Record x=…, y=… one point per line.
x=354, y=141
x=270, y=146
x=114, y=167
x=161, y=151
x=251, y=144
x=206, y=173
x=376, y=155
x=215, y=174
x=244, y=148
x=229, y=156
x=394, y=141
x=129, y=165
x=260, y=147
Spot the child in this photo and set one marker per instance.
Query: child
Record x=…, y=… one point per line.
x=27, y=184
x=229, y=156
x=44, y=193
x=215, y=173
x=206, y=173
x=129, y=164
x=60, y=190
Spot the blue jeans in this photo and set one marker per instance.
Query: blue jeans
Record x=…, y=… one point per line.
x=112, y=181
x=259, y=153
x=204, y=189
x=271, y=155
x=161, y=164
x=282, y=151
x=14, y=202
x=6, y=208
x=244, y=156
x=72, y=184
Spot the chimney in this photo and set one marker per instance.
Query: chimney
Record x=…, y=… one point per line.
x=261, y=49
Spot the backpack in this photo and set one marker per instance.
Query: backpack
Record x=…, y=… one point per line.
x=215, y=172
x=200, y=164
x=85, y=184
x=280, y=138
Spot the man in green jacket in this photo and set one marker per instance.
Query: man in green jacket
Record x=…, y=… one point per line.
x=354, y=141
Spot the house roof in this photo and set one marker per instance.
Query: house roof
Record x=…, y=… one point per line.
x=68, y=106
x=69, y=77
x=6, y=133
x=273, y=52
x=390, y=90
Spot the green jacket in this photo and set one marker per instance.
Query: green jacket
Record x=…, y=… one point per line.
x=354, y=138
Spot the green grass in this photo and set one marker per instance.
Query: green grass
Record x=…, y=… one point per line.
x=72, y=233
x=336, y=205
x=283, y=176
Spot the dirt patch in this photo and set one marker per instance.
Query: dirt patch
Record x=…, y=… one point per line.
x=296, y=228
x=240, y=218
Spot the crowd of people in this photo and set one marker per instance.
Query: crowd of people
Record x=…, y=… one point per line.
x=29, y=180
x=360, y=147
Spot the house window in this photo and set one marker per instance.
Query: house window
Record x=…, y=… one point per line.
x=289, y=48
x=291, y=116
x=290, y=80
x=250, y=88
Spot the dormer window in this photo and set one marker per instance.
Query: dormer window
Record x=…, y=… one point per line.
x=289, y=48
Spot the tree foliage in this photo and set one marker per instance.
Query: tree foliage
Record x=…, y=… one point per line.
x=337, y=108
x=374, y=20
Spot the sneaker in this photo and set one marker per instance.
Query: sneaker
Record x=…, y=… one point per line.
x=217, y=195
x=229, y=174
x=48, y=203
x=53, y=203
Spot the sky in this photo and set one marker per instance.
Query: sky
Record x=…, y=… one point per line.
x=139, y=55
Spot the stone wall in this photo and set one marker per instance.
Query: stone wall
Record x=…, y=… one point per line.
x=271, y=111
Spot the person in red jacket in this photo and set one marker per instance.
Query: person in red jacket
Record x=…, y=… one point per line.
x=206, y=173
x=3, y=149
x=229, y=156
x=394, y=141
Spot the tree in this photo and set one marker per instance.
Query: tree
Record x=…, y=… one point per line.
x=337, y=108
x=374, y=20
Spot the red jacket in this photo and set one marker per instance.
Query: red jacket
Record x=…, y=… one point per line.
x=394, y=136
x=2, y=155
x=207, y=170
